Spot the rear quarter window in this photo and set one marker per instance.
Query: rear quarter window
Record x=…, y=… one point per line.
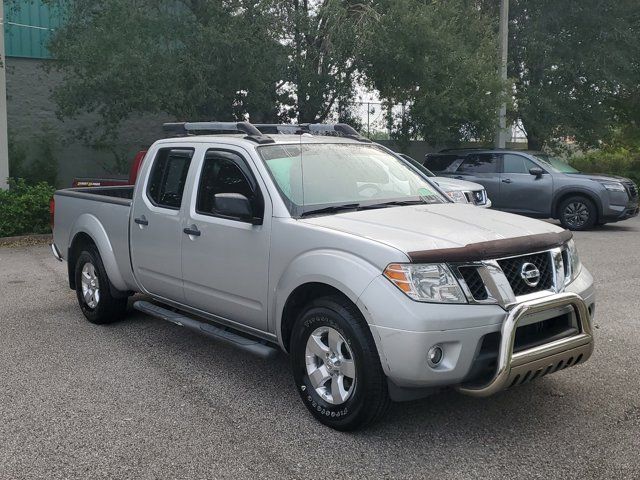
x=479, y=163
x=441, y=163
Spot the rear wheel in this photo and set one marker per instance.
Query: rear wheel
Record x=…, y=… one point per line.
x=336, y=365
x=94, y=291
x=577, y=213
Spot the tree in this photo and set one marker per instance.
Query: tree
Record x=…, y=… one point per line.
x=439, y=60
x=205, y=59
x=576, y=67
x=322, y=39
x=192, y=59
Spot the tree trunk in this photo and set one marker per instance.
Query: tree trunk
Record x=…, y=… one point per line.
x=534, y=142
x=535, y=139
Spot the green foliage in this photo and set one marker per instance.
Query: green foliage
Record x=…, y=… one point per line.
x=24, y=209
x=322, y=41
x=575, y=67
x=617, y=161
x=192, y=59
x=439, y=60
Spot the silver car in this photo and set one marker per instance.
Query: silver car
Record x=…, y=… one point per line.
x=377, y=288
x=460, y=191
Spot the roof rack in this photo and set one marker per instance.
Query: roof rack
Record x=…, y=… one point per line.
x=259, y=133
x=212, y=128
x=328, y=129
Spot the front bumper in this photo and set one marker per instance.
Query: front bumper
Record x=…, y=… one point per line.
x=617, y=206
x=516, y=368
x=405, y=330
x=617, y=213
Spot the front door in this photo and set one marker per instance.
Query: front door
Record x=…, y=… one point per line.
x=225, y=260
x=156, y=224
x=522, y=192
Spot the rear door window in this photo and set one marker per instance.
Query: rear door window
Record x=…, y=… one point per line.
x=479, y=163
x=168, y=177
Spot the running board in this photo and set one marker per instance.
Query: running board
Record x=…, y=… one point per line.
x=228, y=336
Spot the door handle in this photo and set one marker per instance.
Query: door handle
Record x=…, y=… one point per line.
x=141, y=220
x=506, y=180
x=192, y=230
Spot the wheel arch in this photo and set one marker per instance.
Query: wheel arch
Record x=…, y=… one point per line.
x=575, y=192
x=296, y=302
x=89, y=231
x=334, y=273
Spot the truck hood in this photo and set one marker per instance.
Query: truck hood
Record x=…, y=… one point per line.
x=429, y=227
x=450, y=184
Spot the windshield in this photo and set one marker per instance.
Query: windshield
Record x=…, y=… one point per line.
x=327, y=178
x=555, y=163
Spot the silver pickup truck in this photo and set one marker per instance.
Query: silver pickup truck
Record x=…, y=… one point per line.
x=338, y=252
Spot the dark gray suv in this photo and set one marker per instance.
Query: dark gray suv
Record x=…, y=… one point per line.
x=539, y=185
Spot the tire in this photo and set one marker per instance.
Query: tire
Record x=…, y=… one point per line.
x=361, y=395
x=577, y=213
x=94, y=291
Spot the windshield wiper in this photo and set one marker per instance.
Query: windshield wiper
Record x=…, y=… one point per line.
x=394, y=203
x=331, y=209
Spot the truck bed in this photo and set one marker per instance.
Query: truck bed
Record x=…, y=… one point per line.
x=121, y=195
x=102, y=213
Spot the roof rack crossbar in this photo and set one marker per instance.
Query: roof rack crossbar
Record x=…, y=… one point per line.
x=328, y=129
x=211, y=128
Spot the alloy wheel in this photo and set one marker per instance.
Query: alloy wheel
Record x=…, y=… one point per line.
x=330, y=365
x=90, y=285
x=576, y=214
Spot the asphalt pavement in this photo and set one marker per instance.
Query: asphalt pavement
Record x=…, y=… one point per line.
x=146, y=399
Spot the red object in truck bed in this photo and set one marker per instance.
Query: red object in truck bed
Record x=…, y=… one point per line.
x=113, y=182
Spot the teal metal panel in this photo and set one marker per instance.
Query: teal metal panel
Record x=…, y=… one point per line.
x=28, y=27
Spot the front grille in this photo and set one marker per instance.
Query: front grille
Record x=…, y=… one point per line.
x=512, y=268
x=479, y=197
x=632, y=189
x=474, y=282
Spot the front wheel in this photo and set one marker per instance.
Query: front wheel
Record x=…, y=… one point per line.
x=336, y=365
x=577, y=213
x=94, y=291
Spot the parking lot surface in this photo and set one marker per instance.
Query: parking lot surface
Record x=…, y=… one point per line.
x=146, y=399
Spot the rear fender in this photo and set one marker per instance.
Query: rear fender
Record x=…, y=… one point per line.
x=90, y=225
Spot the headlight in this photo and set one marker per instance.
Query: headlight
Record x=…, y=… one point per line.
x=614, y=187
x=572, y=264
x=457, y=196
x=426, y=282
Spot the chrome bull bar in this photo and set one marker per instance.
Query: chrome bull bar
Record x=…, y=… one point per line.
x=543, y=359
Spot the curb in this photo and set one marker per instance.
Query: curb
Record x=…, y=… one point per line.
x=26, y=239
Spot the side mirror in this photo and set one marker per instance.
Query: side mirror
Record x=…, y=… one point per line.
x=537, y=171
x=235, y=205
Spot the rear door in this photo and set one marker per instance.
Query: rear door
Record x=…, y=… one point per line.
x=482, y=168
x=156, y=224
x=226, y=264
x=521, y=192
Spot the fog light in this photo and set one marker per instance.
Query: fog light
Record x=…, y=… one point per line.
x=434, y=356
